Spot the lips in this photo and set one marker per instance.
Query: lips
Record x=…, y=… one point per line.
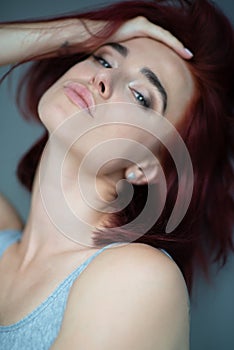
x=79, y=95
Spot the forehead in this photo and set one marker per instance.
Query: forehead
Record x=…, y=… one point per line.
x=172, y=71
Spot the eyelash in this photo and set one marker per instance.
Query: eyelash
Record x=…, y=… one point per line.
x=102, y=61
x=141, y=99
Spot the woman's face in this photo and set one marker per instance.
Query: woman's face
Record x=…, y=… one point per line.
x=141, y=72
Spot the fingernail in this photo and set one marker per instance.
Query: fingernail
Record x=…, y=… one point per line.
x=188, y=52
x=131, y=176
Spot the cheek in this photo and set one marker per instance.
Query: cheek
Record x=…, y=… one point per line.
x=80, y=71
x=51, y=104
x=52, y=94
x=54, y=107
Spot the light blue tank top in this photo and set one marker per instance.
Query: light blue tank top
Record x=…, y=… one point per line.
x=39, y=329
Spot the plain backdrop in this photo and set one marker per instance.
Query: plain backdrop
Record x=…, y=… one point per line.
x=212, y=304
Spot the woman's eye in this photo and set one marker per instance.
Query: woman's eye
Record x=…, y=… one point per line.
x=102, y=61
x=142, y=100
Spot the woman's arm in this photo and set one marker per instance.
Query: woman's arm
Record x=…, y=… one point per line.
x=9, y=218
x=23, y=41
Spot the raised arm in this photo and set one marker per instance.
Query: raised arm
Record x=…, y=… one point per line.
x=9, y=218
x=24, y=41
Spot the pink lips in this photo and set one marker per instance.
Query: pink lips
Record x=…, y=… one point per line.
x=79, y=95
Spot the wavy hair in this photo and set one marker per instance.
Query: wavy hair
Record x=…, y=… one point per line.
x=205, y=233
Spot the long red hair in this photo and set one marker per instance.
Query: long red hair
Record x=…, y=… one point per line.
x=205, y=233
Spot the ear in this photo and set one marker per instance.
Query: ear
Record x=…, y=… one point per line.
x=144, y=173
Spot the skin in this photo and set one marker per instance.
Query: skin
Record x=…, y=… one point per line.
x=23, y=41
x=176, y=79
x=122, y=84
x=137, y=280
x=9, y=216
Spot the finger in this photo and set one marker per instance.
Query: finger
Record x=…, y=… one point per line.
x=170, y=40
x=164, y=36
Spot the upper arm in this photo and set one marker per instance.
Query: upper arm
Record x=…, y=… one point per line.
x=9, y=218
x=142, y=307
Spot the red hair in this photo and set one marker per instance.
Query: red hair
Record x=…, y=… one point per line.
x=207, y=129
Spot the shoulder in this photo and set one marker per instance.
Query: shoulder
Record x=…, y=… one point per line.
x=9, y=218
x=137, y=263
x=132, y=289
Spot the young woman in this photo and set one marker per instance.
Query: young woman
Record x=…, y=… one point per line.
x=91, y=70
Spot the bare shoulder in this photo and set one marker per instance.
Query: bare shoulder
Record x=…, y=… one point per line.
x=137, y=263
x=132, y=289
x=9, y=218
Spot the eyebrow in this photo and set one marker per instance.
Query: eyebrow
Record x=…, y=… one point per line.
x=122, y=50
x=147, y=72
x=153, y=79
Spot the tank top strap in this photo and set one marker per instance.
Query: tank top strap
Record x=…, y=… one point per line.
x=166, y=253
x=81, y=267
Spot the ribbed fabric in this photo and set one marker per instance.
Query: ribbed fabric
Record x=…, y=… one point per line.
x=39, y=329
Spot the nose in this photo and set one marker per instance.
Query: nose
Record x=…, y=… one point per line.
x=103, y=82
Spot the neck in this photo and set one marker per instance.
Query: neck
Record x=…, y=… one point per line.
x=63, y=215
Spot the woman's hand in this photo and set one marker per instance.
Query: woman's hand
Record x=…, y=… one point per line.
x=25, y=41
x=134, y=28
x=141, y=27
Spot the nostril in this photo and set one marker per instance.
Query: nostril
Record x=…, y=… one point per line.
x=102, y=87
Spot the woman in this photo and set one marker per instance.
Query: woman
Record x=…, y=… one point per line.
x=123, y=298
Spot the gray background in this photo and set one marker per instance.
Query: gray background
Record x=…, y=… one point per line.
x=212, y=311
